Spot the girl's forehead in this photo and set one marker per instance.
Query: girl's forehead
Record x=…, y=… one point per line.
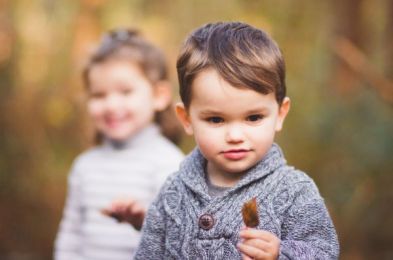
x=114, y=69
x=116, y=74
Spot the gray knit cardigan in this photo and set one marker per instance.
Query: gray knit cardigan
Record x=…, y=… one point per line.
x=289, y=206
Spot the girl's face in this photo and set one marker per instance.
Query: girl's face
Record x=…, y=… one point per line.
x=122, y=100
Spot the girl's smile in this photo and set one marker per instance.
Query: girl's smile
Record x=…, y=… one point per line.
x=116, y=121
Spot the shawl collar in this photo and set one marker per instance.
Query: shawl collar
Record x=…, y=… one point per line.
x=192, y=170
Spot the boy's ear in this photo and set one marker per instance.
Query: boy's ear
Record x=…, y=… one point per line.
x=184, y=118
x=162, y=95
x=282, y=113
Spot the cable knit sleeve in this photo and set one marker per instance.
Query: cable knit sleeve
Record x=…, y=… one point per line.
x=152, y=243
x=307, y=229
x=68, y=240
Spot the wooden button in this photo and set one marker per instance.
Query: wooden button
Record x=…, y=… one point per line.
x=206, y=221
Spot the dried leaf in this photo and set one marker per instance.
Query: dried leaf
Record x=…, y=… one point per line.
x=250, y=213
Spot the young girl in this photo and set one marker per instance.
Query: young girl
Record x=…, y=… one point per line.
x=129, y=96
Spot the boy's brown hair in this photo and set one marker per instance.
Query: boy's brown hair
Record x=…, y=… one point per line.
x=242, y=55
x=130, y=45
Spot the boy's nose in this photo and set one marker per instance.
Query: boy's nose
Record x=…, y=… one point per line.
x=234, y=134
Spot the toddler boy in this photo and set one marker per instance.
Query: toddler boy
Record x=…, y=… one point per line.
x=232, y=86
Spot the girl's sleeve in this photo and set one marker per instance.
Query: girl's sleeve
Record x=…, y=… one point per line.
x=68, y=240
x=307, y=229
x=152, y=243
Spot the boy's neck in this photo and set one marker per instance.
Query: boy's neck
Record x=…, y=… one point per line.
x=222, y=178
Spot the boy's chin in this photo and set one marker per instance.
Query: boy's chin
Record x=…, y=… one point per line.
x=238, y=169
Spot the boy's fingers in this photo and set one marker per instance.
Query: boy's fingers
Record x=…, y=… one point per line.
x=246, y=257
x=256, y=233
x=252, y=252
x=258, y=243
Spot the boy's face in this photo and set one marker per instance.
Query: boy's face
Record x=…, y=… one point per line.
x=233, y=127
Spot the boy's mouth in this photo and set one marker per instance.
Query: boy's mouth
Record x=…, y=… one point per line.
x=235, y=154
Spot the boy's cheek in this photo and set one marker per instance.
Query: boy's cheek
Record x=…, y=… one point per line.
x=208, y=143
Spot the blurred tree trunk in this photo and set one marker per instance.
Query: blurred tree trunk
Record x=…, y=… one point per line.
x=348, y=24
x=389, y=41
x=353, y=67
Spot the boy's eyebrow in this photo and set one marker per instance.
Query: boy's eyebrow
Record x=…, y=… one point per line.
x=209, y=112
x=258, y=110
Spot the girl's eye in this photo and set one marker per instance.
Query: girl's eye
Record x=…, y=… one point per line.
x=254, y=118
x=215, y=120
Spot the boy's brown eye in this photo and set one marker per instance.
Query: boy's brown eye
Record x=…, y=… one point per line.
x=215, y=120
x=254, y=118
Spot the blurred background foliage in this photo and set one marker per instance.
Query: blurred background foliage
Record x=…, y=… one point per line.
x=339, y=56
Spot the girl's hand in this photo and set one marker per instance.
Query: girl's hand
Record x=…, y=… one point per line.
x=127, y=210
x=258, y=244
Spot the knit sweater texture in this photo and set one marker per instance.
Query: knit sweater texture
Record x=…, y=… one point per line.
x=289, y=205
x=135, y=168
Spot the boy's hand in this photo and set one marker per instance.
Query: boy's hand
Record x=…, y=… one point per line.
x=258, y=244
x=127, y=210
